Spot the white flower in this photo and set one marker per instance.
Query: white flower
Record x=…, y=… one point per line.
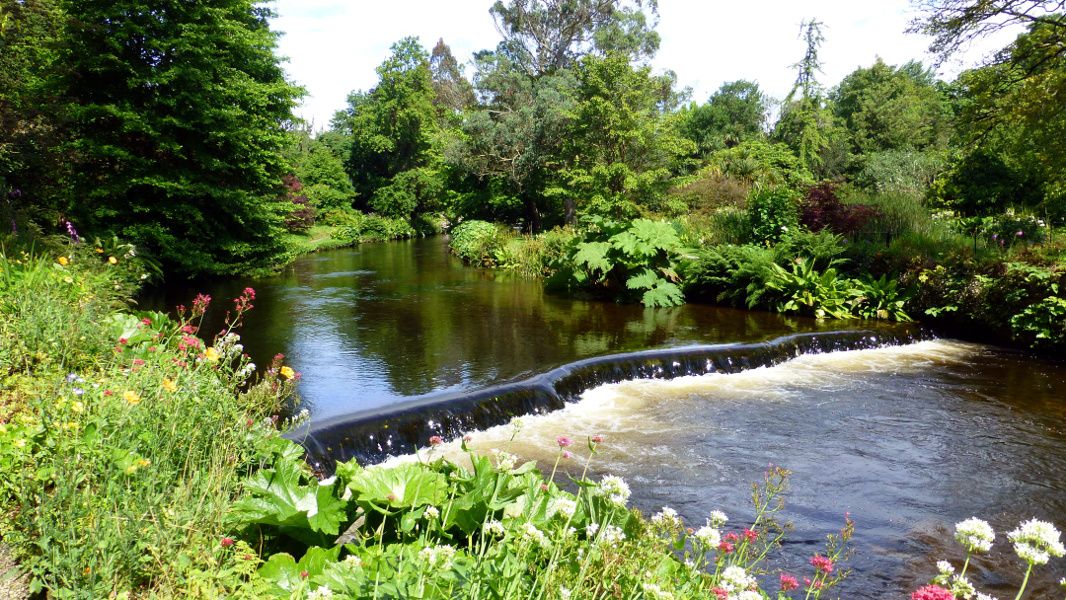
x=562, y=506
x=709, y=536
x=749, y=595
x=494, y=527
x=945, y=567
x=505, y=461
x=1036, y=541
x=320, y=594
x=981, y=596
x=666, y=516
x=735, y=578
x=431, y=513
x=615, y=489
x=530, y=533
x=438, y=556
x=564, y=593
x=611, y=535
x=353, y=561
x=975, y=535
x=655, y=592
x=591, y=530
x=717, y=518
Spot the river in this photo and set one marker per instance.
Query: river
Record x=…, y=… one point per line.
x=907, y=438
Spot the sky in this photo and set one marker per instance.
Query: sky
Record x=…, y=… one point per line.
x=333, y=46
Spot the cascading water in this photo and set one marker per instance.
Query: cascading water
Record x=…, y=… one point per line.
x=374, y=435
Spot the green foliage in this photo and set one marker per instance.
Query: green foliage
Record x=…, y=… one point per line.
x=805, y=290
x=322, y=173
x=772, y=213
x=1041, y=324
x=735, y=113
x=630, y=259
x=900, y=171
x=473, y=241
x=728, y=274
x=124, y=437
x=176, y=138
x=761, y=162
x=353, y=227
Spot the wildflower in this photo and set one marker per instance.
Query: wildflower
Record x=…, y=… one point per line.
x=788, y=582
x=211, y=354
x=435, y=440
x=961, y=587
x=717, y=518
x=710, y=536
x=438, y=556
x=74, y=378
x=287, y=372
x=735, y=578
x=1020, y=233
x=749, y=595
x=108, y=392
x=656, y=593
x=353, y=561
x=751, y=535
x=505, y=461
x=112, y=260
x=138, y=362
x=975, y=535
x=63, y=261
x=564, y=593
x=611, y=535
x=614, y=489
x=99, y=250
x=530, y=533
x=562, y=506
x=493, y=528
x=597, y=439
x=666, y=516
x=78, y=391
x=932, y=592
x=226, y=542
x=591, y=530
x=725, y=547
x=944, y=567
x=981, y=596
x=20, y=443
x=720, y=594
x=568, y=454
x=563, y=441
x=78, y=407
x=431, y=513
x=169, y=385
x=822, y=563
x=1036, y=541
x=320, y=593
x=131, y=397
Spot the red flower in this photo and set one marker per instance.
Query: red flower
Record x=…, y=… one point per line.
x=751, y=535
x=725, y=546
x=732, y=537
x=303, y=574
x=226, y=542
x=108, y=392
x=788, y=582
x=932, y=592
x=822, y=563
x=146, y=321
x=123, y=341
x=720, y=594
x=563, y=441
x=138, y=362
x=435, y=440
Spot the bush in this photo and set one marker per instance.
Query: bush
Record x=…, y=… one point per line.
x=822, y=209
x=723, y=226
x=733, y=275
x=476, y=241
x=710, y=190
x=354, y=227
x=906, y=172
x=772, y=213
x=125, y=437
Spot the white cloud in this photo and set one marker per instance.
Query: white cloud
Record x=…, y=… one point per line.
x=333, y=46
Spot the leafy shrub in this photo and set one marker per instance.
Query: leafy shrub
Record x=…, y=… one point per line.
x=733, y=275
x=710, y=190
x=499, y=529
x=822, y=209
x=539, y=255
x=354, y=227
x=302, y=215
x=772, y=213
x=759, y=162
x=896, y=214
x=820, y=247
x=907, y=172
x=475, y=241
x=629, y=259
x=805, y=290
x=1010, y=229
x=728, y=225
x=1043, y=324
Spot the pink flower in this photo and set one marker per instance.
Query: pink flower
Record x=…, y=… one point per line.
x=732, y=537
x=822, y=563
x=597, y=439
x=563, y=441
x=467, y=438
x=725, y=546
x=720, y=594
x=226, y=542
x=146, y=321
x=199, y=304
x=568, y=454
x=932, y=592
x=751, y=535
x=435, y=440
x=788, y=582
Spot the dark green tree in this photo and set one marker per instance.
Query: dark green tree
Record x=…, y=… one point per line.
x=393, y=126
x=177, y=111
x=736, y=112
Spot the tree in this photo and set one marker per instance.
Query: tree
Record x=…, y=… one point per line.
x=30, y=166
x=892, y=108
x=176, y=110
x=733, y=114
x=394, y=125
x=954, y=24
x=544, y=36
x=452, y=93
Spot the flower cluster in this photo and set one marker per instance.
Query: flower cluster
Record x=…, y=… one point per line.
x=1036, y=542
x=615, y=489
x=975, y=535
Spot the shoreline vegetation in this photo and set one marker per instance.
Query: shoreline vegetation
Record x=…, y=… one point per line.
x=142, y=458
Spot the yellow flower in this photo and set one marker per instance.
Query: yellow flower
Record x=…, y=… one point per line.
x=287, y=372
x=99, y=250
x=132, y=397
x=63, y=261
x=78, y=407
x=70, y=426
x=144, y=462
x=211, y=354
x=169, y=385
x=112, y=260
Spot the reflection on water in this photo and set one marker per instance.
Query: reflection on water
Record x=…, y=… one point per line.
x=909, y=440
x=375, y=324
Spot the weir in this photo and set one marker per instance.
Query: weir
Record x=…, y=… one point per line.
x=371, y=436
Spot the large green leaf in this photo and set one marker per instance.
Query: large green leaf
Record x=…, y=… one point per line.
x=404, y=486
x=279, y=497
x=594, y=256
